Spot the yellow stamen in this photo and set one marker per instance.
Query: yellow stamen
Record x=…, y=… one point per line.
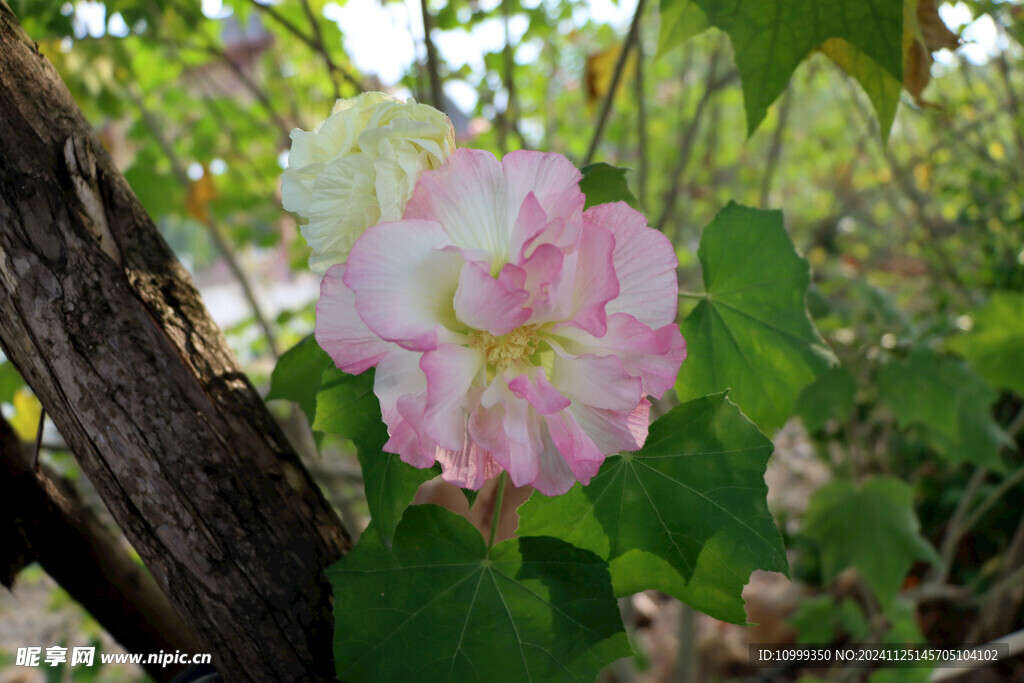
x=503, y=351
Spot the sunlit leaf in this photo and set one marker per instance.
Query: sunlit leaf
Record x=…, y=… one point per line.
x=346, y=405
x=296, y=376
x=439, y=606
x=872, y=527
x=771, y=38
x=27, y=411
x=751, y=332
x=603, y=184
x=686, y=514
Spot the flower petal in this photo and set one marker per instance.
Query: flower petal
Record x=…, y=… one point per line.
x=465, y=196
x=468, y=468
x=403, y=285
x=485, y=303
x=645, y=265
x=652, y=355
x=538, y=392
x=578, y=454
x=599, y=381
x=613, y=431
x=450, y=371
x=341, y=332
x=595, y=284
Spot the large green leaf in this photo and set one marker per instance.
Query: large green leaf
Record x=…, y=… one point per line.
x=346, y=405
x=949, y=400
x=296, y=376
x=872, y=528
x=438, y=606
x=603, y=184
x=995, y=345
x=686, y=514
x=771, y=37
x=751, y=332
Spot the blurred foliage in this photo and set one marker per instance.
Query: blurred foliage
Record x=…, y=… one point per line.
x=915, y=246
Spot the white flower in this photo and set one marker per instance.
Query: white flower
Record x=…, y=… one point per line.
x=359, y=167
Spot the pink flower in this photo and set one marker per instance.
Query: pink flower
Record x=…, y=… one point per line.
x=510, y=329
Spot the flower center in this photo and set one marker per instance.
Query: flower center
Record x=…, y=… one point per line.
x=507, y=349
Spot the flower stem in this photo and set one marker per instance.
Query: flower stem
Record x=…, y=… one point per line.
x=496, y=512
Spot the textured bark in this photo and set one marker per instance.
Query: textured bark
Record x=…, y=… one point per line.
x=107, y=328
x=45, y=521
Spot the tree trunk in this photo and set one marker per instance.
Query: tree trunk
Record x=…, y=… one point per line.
x=107, y=328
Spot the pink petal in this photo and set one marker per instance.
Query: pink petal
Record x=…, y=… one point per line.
x=465, y=195
x=554, y=182
x=548, y=283
x=652, y=355
x=341, y=332
x=468, y=468
x=407, y=438
x=645, y=265
x=577, y=450
x=538, y=392
x=599, y=381
x=485, y=303
x=403, y=285
x=450, y=371
x=614, y=431
x=596, y=284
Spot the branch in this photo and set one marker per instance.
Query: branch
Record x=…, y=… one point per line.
x=433, y=70
x=311, y=42
x=221, y=244
x=690, y=135
x=141, y=383
x=41, y=513
x=620, y=65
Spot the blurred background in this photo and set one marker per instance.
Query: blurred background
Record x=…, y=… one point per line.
x=915, y=244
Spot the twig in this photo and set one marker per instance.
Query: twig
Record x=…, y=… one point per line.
x=609, y=98
x=641, y=125
x=310, y=42
x=955, y=529
x=220, y=243
x=433, y=72
x=321, y=47
x=689, y=137
x=1015, y=645
x=776, y=147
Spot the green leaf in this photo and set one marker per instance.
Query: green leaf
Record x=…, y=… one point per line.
x=995, y=345
x=751, y=332
x=603, y=184
x=881, y=87
x=438, y=606
x=872, y=528
x=819, y=619
x=346, y=405
x=949, y=400
x=771, y=38
x=10, y=381
x=686, y=514
x=296, y=376
x=828, y=397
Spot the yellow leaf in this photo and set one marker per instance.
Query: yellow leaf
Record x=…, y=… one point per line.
x=27, y=410
x=601, y=68
x=200, y=193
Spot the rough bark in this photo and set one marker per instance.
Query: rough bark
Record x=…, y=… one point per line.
x=107, y=328
x=43, y=519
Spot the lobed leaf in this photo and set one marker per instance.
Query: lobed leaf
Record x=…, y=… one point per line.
x=686, y=514
x=439, y=606
x=751, y=332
